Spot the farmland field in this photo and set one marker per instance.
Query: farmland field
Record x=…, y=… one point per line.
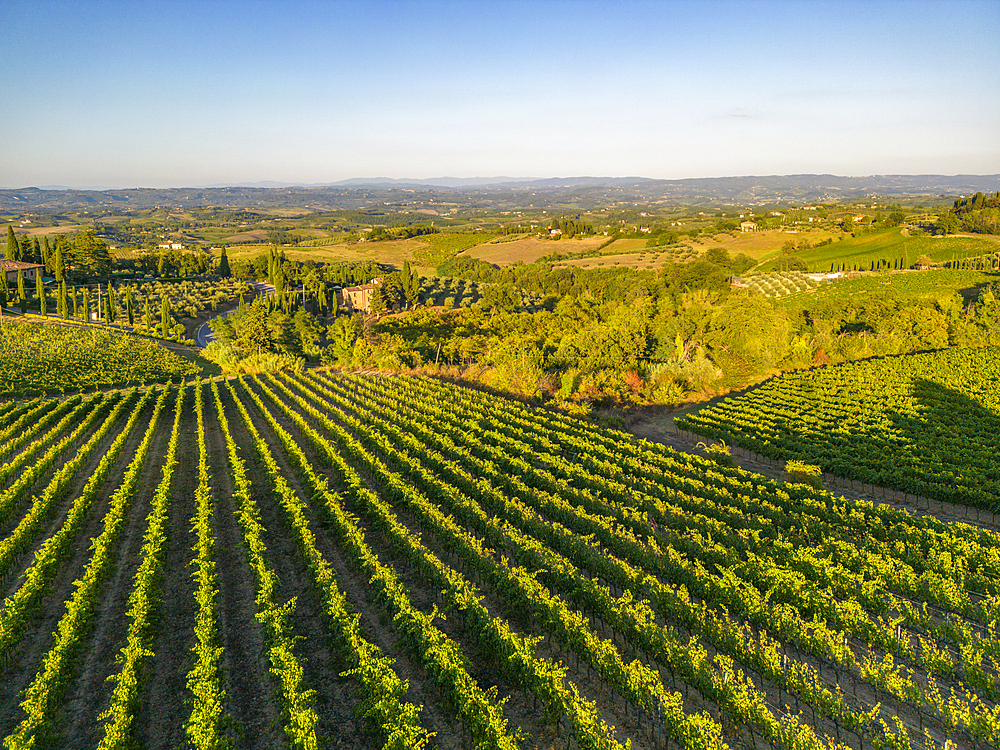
x=923, y=423
x=506, y=250
x=423, y=252
x=359, y=561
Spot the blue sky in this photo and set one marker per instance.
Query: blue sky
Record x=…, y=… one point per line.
x=179, y=93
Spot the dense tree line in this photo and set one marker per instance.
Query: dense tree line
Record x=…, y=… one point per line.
x=82, y=257
x=627, y=336
x=569, y=228
x=399, y=233
x=978, y=213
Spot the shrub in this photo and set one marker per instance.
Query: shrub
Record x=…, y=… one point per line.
x=719, y=453
x=802, y=473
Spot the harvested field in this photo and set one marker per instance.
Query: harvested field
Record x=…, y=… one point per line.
x=505, y=251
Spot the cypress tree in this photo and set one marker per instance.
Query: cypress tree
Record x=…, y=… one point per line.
x=86, y=304
x=148, y=315
x=40, y=292
x=111, y=308
x=22, y=296
x=63, y=301
x=243, y=306
x=224, y=270
x=4, y=290
x=13, y=247
x=47, y=255
x=58, y=265
x=165, y=318
x=130, y=305
x=76, y=308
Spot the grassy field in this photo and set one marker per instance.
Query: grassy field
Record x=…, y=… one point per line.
x=761, y=245
x=889, y=245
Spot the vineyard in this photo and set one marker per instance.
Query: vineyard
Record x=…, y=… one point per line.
x=46, y=358
x=936, y=284
x=362, y=561
x=922, y=423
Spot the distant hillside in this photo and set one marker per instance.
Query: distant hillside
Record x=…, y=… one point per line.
x=582, y=191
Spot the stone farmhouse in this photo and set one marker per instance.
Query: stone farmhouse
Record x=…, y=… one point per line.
x=357, y=298
x=11, y=267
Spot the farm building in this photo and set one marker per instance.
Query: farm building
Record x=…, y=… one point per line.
x=11, y=267
x=357, y=298
x=748, y=226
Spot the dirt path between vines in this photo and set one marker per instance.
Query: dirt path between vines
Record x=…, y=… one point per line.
x=356, y=587
x=90, y=693
x=159, y=721
x=249, y=699
x=37, y=637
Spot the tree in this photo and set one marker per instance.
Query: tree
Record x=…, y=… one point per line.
x=40, y=293
x=321, y=298
x=22, y=295
x=90, y=256
x=148, y=315
x=111, y=308
x=308, y=330
x=166, y=320
x=254, y=334
x=4, y=290
x=58, y=266
x=63, y=301
x=224, y=270
x=13, y=247
x=130, y=305
x=377, y=301
x=85, y=306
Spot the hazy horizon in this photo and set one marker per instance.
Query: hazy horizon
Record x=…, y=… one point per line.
x=176, y=93
x=449, y=182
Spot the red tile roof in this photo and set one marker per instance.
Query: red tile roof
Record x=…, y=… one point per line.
x=18, y=265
